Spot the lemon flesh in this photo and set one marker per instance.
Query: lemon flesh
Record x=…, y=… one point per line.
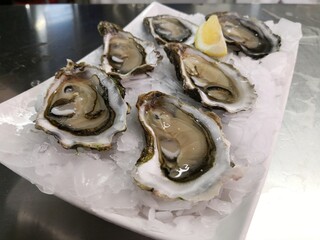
x=209, y=38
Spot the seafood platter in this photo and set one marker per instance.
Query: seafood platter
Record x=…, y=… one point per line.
x=181, y=138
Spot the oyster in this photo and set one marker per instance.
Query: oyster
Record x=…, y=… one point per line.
x=167, y=28
x=186, y=153
x=214, y=83
x=124, y=54
x=249, y=35
x=83, y=107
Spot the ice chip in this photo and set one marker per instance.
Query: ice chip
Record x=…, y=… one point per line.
x=184, y=223
x=151, y=214
x=167, y=204
x=47, y=189
x=164, y=216
x=276, y=64
x=222, y=207
x=91, y=178
x=147, y=199
x=26, y=138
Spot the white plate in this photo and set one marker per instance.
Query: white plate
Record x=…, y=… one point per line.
x=84, y=180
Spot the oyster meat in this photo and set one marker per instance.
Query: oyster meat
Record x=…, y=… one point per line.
x=167, y=28
x=214, y=83
x=83, y=107
x=125, y=55
x=249, y=35
x=186, y=153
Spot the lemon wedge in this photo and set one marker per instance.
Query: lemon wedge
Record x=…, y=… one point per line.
x=209, y=38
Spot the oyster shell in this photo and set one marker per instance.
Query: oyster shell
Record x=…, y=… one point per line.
x=124, y=54
x=83, y=107
x=167, y=28
x=214, y=83
x=186, y=155
x=249, y=35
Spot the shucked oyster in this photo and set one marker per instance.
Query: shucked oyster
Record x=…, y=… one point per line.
x=186, y=153
x=167, y=28
x=124, y=54
x=248, y=35
x=83, y=107
x=214, y=83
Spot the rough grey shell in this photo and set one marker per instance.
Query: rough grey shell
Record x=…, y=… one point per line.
x=213, y=83
x=249, y=35
x=168, y=28
x=125, y=55
x=83, y=107
x=186, y=153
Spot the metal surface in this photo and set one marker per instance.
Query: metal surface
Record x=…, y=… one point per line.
x=36, y=40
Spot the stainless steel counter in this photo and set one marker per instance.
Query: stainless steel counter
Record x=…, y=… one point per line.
x=36, y=40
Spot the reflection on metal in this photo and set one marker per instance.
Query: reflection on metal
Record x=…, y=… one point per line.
x=32, y=213
x=41, y=26
x=37, y=21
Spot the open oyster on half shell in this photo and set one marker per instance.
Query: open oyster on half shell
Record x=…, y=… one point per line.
x=213, y=83
x=168, y=28
x=83, y=107
x=125, y=55
x=186, y=154
x=251, y=36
